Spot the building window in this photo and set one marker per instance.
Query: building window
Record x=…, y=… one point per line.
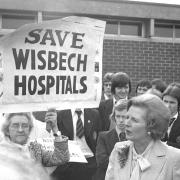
x=177, y=31
x=14, y=22
x=126, y=28
x=111, y=27
x=130, y=28
x=46, y=17
x=164, y=30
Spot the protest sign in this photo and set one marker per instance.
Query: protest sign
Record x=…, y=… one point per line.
x=55, y=63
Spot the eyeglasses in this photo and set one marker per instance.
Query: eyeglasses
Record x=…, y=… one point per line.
x=18, y=125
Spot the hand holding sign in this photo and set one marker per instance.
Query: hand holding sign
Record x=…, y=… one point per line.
x=51, y=120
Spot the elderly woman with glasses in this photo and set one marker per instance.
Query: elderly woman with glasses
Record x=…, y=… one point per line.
x=17, y=128
x=144, y=156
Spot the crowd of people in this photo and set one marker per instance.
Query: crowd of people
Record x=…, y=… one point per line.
x=125, y=138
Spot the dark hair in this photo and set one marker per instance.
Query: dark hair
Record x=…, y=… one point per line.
x=107, y=77
x=159, y=84
x=120, y=79
x=173, y=90
x=157, y=114
x=143, y=83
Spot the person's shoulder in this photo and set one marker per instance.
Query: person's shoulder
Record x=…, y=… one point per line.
x=105, y=102
x=173, y=151
x=92, y=111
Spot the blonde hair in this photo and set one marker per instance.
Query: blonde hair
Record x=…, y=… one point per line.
x=119, y=106
x=157, y=114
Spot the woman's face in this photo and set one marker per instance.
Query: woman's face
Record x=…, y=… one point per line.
x=120, y=118
x=122, y=92
x=19, y=129
x=171, y=103
x=135, y=124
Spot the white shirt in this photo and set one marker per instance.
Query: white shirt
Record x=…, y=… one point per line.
x=80, y=141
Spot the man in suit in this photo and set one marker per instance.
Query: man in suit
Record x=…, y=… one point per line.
x=107, y=139
x=121, y=88
x=171, y=98
x=86, y=135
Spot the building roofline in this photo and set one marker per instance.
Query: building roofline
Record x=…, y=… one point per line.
x=121, y=8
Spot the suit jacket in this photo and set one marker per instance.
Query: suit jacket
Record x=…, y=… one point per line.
x=105, y=145
x=59, y=156
x=174, y=135
x=91, y=125
x=164, y=163
x=105, y=110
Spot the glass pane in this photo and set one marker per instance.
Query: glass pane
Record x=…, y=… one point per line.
x=111, y=28
x=177, y=31
x=46, y=18
x=129, y=28
x=162, y=30
x=13, y=22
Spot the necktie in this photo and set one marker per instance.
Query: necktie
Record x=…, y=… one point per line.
x=79, y=125
x=122, y=136
x=171, y=121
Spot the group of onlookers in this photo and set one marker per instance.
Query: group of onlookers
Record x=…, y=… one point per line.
x=152, y=118
x=127, y=138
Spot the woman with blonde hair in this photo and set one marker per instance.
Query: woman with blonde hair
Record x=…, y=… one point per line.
x=144, y=156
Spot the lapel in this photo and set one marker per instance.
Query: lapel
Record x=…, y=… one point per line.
x=88, y=122
x=107, y=112
x=175, y=129
x=68, y=122
x=111, y=139
x=110, y=104
x=157, y=160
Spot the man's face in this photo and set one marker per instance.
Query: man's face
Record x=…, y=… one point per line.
x=107, y=88
x=122, y=92
x=141, y=90
x=120, y=118
x=171, y=103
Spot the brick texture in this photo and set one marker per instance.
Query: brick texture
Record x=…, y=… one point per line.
x=142, y=60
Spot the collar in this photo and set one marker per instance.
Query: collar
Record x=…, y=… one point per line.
x=175, y=116
x=142, y=158
x=74, y=109
x=146, y=150
x=118, y=130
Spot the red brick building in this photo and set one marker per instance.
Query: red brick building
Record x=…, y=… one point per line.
x=142, y=39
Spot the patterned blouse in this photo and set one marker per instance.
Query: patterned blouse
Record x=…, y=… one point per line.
x=60, y=155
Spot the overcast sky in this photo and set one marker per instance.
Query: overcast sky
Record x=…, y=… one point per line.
x=162, y=1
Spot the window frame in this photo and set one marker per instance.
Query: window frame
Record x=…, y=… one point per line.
x=141, y=23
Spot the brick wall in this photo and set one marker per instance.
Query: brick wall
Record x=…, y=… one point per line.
x=142, y=59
